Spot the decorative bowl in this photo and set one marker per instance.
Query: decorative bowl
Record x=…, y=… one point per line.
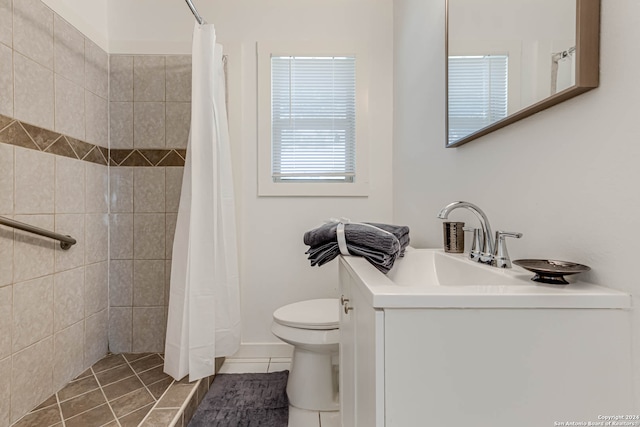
x=551, y=271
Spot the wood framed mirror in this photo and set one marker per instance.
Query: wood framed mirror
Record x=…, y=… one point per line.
x=509, y=59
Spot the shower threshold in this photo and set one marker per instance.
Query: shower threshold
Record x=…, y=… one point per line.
x=125, y=390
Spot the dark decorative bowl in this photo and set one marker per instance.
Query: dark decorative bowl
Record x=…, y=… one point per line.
x=551, y=271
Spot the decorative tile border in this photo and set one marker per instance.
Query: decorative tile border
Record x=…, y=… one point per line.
x=138, y=157
x=15, y=132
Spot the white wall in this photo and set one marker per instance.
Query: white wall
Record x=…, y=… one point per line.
x=274, y=268
x=567, y=177
x=89, y=17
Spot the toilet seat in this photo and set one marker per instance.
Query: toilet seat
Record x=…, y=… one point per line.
x=316, y=314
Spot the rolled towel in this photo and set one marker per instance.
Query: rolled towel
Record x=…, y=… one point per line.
x=326, y=253
x=381, y=244
x=361, y=235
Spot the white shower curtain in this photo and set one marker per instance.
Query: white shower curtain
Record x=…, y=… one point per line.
x=204, y=308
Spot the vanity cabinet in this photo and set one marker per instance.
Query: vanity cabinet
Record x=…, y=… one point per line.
x=403, y=365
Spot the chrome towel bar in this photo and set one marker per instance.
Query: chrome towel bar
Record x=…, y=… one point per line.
x=65, y=241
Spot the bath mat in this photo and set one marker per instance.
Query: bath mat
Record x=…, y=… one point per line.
x=245, y=400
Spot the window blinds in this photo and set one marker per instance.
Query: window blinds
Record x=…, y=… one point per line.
x=313, y=118
x=478, y=89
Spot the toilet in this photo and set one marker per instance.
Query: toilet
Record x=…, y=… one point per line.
x=311, y=327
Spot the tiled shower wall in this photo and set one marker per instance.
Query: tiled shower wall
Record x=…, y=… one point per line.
x=150, y=114
x=53, y=303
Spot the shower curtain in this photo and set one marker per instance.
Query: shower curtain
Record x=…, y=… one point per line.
x=204, y=309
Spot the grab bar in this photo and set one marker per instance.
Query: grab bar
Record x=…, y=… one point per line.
x=65, y=241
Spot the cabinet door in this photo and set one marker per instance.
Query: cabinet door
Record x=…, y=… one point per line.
x=369, y=374
x=361, y=358
x=347, y=356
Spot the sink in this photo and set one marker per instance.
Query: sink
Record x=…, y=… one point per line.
x=433, y=267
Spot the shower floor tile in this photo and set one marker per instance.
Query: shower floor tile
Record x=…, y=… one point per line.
x=119, y=390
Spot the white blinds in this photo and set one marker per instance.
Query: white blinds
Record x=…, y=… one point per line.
x=313, y=118
x=478, y=89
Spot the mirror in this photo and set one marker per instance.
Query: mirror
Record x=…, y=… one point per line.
x=509, y=59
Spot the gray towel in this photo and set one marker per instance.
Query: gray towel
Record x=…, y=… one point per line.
x=361, y=235
x=377, y=247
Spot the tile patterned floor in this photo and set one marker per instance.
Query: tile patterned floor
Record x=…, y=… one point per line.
x=297, y=417
x=129, y=390
x=124, y=390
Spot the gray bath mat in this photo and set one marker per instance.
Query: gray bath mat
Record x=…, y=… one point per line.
x=245, y=400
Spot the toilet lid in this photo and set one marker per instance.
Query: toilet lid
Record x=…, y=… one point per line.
x=311, y=314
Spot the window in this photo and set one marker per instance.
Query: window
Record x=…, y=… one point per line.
x=310, y=141
x=313, y=114
x=478, y=93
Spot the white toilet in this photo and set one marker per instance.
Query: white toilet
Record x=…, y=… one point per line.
x=311, y=327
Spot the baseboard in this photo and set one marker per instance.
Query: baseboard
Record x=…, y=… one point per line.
x=263, y=350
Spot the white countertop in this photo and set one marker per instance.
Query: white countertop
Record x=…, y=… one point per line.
x=416, y=282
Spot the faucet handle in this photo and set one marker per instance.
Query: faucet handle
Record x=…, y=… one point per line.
x=500, y=254
x=476, y=249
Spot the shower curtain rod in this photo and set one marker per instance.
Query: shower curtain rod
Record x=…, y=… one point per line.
x=195, y=12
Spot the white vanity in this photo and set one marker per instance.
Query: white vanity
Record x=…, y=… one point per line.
x=443, y=341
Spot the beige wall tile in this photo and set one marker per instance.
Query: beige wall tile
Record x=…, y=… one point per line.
x=68, y=298
x=69, y=117
x=68, y=49
x=96, y=288
x=6, y=80
x=33, y=255
x=6, y=255
x=173, y=178
x=33, y=31
x=97, y=119
x=96, y=237
x=34, y=178
x=96, y=338
x=148, y=283
x=121, y=189
x=6, y=320
x=148, y=236
x=69, y=185
x=170, y=224
x=70, y=225
x=32, y=362
x=167, y=282
x=97, y=186
x=96, y=69
x=33, y=92
x=121, y=283
x=178, y=124
x=121, y=125
x=5, y=391
x=6, y=22
x=68, y=354
x=6, y=179
x=149, y=78
x=178, y=69
x=148, y=124
x=32, y=311
x=149, y=325
x=121, y=236
x=121, y=78
x=148, y=190
x=120, y=325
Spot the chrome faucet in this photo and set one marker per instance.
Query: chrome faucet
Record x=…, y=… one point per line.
x=487, y=250
x=485, y=245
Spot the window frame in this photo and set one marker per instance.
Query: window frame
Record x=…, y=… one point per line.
x=266, y=185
